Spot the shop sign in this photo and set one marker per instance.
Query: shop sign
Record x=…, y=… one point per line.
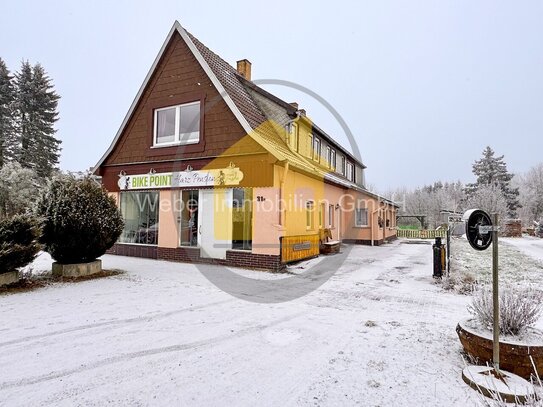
x=203, y=178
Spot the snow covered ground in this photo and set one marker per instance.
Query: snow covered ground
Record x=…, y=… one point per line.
x=532, y=246
x=518, y=260
x=378, y=333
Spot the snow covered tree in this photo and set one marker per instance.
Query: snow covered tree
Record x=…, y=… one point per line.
x=18, y=242
x=492, y=171
x=8, y=142
x=429, y=201
x=81, y=221
x=18, y=187
x=530, y=185
x=490, y=199
x=36, y=105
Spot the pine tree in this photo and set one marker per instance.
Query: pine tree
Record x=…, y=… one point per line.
x=36, y=115
x=8, y=141
x=492, y=171
x=24, y=111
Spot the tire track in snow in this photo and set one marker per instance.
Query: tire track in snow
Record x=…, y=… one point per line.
x=121, y=322
x=143, y=353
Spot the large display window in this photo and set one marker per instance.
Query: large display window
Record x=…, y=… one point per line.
x=140, y=214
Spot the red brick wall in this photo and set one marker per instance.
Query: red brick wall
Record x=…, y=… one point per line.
x=245, y=259
x=134, y=250
x=511, y=228
x=234, y=258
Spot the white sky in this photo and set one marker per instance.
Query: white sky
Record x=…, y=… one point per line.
x=423, y=85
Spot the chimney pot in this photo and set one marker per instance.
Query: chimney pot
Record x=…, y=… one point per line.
x=244, y=68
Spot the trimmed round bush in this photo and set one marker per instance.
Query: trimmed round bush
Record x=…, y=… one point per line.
x=18, y=242
x=80, y=220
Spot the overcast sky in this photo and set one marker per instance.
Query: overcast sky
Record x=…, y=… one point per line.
x=423, y=85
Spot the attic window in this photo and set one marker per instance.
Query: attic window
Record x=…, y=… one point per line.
x=350, y=171
x=316, y=149
x=177, y=125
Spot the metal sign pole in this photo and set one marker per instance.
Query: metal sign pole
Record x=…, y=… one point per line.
x=495, y=296
x=448, y=250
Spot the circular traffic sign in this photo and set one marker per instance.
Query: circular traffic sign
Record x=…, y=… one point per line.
x=478, y=238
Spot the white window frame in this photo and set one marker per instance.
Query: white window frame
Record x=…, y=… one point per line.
x=294, y=136
x=349, y=171
x=177, y=136
x=333, y=159
x=331, y=213
x=310, y=215
x=358, y=225
x=343, y=167
x=316, y=152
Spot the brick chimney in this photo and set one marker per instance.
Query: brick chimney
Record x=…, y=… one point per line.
x=244, y=68
x=294, y=105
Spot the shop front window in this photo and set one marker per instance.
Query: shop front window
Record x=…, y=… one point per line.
x=242, y=218
x=188, y=218
x=140, y=214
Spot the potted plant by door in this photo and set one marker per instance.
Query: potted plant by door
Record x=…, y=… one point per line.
x=520, y=342
x=80, y=222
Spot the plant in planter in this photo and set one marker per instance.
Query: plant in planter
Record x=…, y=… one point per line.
x=18, y=246
x=81, y=221
x=520, y=308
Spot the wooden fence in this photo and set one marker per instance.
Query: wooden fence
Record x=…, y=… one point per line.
x=295, y=248
x=421, y=234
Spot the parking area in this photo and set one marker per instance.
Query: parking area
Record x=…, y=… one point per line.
x=376, y=332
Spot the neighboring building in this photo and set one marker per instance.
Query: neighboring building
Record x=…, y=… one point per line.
x=209, y=167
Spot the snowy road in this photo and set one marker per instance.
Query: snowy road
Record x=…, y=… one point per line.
x=378, y=333
x=532, y=246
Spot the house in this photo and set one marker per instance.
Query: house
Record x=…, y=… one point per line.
x=209, y=167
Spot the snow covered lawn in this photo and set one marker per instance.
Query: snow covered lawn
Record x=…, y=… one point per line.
x=378, y=333
x=532, y=246
x=520, y=259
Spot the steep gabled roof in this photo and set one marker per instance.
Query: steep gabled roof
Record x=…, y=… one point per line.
x=236, y=93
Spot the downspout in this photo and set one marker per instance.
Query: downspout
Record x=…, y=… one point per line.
x=385, y=224
x=373, y=223
x=339, y=223
x=282, y=212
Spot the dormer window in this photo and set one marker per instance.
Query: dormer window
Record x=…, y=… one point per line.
x=350, y=171
x=316, y=149
x=174, y=125
x=294, y=136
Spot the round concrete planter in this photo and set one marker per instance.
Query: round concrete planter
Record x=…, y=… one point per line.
x=9, y=278
x=77, y=270
x=514, y=356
